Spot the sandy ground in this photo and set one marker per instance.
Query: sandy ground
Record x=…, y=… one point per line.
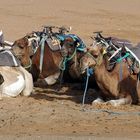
x=59, y=115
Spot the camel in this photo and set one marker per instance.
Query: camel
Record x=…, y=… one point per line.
x=49, y=61
x=14, y=79
x=114, y=90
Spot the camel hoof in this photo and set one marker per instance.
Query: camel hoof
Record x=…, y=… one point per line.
x=97, y=101
x=113, y=103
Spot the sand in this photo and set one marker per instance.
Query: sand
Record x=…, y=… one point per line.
x=59, y=115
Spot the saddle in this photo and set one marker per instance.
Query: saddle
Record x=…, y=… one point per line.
x=136, y=50
x=53, y=43
x=8, y=59
x=80, y=46
x=121, y=42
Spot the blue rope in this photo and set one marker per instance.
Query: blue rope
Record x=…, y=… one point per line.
x=64, y=61
x=121, y=58
x=89, y=72
x=121, y=65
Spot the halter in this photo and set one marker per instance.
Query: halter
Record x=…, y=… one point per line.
x=89, y=72
x=29, y=65
x=65, y=59
x=34, y=49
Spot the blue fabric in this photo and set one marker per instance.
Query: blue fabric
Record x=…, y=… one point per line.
x=80, y=47
x=121, y=58
x=90, y=71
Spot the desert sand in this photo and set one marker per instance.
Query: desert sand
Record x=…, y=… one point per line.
x=59, y=115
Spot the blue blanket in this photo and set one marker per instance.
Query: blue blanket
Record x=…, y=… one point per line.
x=81, y=45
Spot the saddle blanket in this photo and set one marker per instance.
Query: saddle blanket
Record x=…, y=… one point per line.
x=121, y=42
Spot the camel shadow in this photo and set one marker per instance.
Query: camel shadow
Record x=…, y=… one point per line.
x=66, y=92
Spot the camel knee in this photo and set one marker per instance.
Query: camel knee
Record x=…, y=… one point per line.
x=28, y=85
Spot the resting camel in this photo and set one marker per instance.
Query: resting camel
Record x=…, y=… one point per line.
x=14, y=79
x=47, y=61
x=114, y=90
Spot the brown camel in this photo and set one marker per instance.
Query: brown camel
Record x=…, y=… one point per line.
x=115, y=90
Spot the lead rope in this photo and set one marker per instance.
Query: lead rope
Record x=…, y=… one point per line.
x=62, y=65
x=89, y=72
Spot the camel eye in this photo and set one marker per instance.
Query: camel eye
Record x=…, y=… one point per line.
x=20, y=46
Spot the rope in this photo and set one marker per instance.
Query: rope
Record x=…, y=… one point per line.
x=110, y=112
x=121, y=65
x=28, y=66
x=121, y=58
x=89, y=72
x=62, y=65
x=63, y=62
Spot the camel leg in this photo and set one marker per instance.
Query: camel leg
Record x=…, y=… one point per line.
x=52, y=79
x=48, y=81
x=98, y=101
x=28, y=82
x=118, y=102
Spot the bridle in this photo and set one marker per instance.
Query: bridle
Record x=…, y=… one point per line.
x=31, y=43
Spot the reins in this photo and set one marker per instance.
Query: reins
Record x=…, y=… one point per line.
x=65, y=59
x=89, y=72
x=29, y=65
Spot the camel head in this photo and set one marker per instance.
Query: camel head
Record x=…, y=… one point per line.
x=92, y=58
x=24, y=48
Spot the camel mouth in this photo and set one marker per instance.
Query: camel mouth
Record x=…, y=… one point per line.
x=83, y=70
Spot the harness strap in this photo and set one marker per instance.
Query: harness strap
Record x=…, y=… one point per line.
x=42, y=43
x=65, y=59
x=62, y=65
x=120, y=72
x=29, y=65
x=92, y=58
x=121, y=58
